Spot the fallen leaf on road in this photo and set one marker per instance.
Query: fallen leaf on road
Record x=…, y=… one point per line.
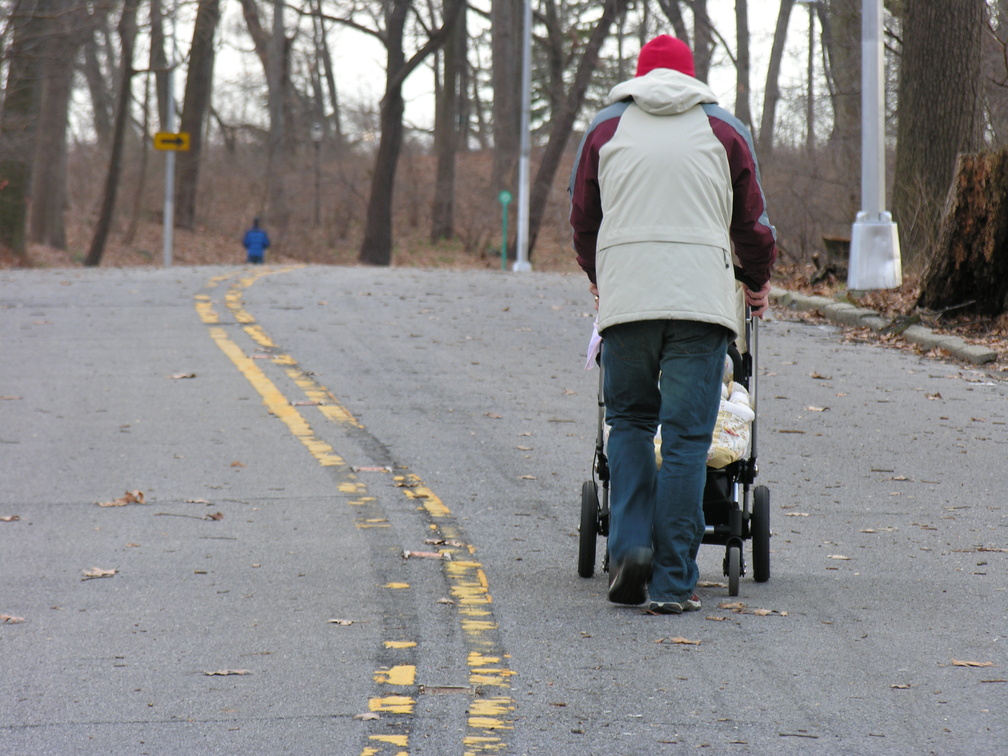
x=130, y=497
x=839, y=556
x=214, y=516
x=340, y=622
x=817, y=409
x=819, y=377
x=98, y=572
x=738, y=607
x=7, y=619
x=796, y=514
x=367, y=716
x=236, y=463
x=934, y=396
x=444, y=601
x=9, y=518
x=900, y=686
x=712, y=618
x=182, y=376
x=492, y=415
x=196, y=501
x=227, y=672
x=426, y=555
x=678, y=640
x=958, y=663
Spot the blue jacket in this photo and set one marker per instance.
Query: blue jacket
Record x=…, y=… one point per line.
x=256, y=241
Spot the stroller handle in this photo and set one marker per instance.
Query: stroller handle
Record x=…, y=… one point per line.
x=743, y=279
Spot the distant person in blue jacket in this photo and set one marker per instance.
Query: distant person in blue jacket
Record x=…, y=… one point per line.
x=256, y=242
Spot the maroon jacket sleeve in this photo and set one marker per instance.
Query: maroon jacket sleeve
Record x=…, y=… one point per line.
x=751, y=233
x=586, y=200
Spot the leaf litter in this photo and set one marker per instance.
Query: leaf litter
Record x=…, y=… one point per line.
x=130, y=497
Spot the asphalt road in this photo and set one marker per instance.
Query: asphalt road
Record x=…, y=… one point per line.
x=295, y=432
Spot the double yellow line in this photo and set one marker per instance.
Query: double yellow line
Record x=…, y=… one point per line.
x=490, y=713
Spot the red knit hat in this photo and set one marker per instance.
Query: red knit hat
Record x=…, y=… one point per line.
x=665, y=52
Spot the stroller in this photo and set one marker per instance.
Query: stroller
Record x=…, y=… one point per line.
x=734, y=509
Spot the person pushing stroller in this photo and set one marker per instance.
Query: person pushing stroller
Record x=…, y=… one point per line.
x=664, y=184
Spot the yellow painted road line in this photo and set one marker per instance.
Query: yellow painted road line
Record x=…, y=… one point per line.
x=491, y=712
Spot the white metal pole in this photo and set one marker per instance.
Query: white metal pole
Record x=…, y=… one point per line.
x=874, y=253
x=169, y=198
x=873, y=106
x=522, y=241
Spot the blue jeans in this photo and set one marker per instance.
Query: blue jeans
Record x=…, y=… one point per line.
x=664, y=372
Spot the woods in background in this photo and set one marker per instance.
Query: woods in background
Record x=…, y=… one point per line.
x=86, y=85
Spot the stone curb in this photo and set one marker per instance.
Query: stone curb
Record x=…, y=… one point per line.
x=843, y=313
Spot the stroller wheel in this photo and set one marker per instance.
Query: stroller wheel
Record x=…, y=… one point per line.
x=588, y=529
x=760, y=526
x=733, y=568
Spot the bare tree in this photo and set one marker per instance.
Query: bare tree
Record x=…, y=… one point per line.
x=49, y=163
x=127, y=38
x=376, y=248
x=939, y=99
x=100, y=87
x=194, y=111
x=506, y=31
x=771, y=93
x=562, y=121
x=17, y=128
x=446, y=130
x=742, y=64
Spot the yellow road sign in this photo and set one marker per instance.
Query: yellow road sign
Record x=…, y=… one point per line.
x=165, y=140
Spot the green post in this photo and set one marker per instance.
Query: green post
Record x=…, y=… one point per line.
x=505, y=200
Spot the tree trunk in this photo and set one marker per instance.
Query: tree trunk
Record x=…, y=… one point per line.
x=49, y=163
x=277, y=211
x=159, y=61
x=127, y=36
x=376, y=247
x=446, y=133
x=330, y=77
x=671, y=10
x=771, y=94
x=842, y=45
x=969, y=269
x=102, y=104
x=17, y=130
x=194, y=111
x=563, y=121
x=506, y=30
x=939, y=99
x=742, y=64
x=702, y=39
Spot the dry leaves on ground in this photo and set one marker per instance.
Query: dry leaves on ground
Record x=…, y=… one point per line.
x=130, y=497
x=227, y=672
x=737, y=607
x=98, y=572
x=7, y=619
x=959, y=663
x=679, y=641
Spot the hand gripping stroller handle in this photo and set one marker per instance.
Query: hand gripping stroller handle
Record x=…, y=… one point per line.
x=743, y=279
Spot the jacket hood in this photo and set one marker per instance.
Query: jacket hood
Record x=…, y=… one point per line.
x=663, y=92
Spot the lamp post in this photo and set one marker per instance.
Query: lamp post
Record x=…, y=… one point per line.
x=316, y=137
x=875, y=252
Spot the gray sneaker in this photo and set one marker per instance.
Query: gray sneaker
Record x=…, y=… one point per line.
x=692, y=604
x=628, y=581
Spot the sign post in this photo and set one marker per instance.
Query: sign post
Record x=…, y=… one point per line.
x=505, y=200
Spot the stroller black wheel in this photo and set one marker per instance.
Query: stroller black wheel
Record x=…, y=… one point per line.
x=588, y=530
x=760, y=526
x=733, y=568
